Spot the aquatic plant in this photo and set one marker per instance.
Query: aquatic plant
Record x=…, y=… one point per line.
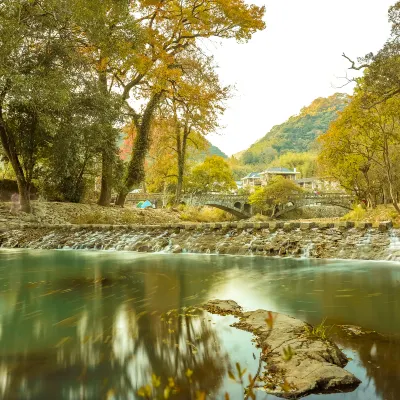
x=317, y=332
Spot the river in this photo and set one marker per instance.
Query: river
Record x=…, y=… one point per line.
x=95, y=325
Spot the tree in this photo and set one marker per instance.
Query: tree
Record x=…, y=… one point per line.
x=172, y=30
x=38, y=73
x=361, y=149
x=109, y=36
x=381, y=70
x=78, y=138
x=213, y=175
x=194, y=107
x=279, y=191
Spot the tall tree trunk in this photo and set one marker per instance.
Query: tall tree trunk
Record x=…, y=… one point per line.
x=107, y=157
x=389, y=175
x=135, y=171
x=181, y=146
x=9, y=147
x=180, y=161
x=106, y=178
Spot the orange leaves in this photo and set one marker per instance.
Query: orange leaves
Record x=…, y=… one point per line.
x=147, y=3
x=270, y=320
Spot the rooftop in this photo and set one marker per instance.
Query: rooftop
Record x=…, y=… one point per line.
x=279, y=170
x=252, y=175
x=306, y=180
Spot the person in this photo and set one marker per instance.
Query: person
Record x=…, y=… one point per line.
x=15, y=206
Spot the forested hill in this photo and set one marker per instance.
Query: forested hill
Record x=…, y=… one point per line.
x=198, y=156
x=298, y=133
x=216, y=151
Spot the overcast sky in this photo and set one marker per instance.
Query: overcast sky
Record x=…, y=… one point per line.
x=296, y=59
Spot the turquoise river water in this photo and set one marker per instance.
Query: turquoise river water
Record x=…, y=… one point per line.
x=95, y=325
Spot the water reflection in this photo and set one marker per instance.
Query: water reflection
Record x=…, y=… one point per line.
x=76, y=325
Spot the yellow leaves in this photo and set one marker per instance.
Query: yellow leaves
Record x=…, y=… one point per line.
x=286, y=386
x=155, y=380
x=147, y=3
x=189, y=373
x=102, y=64
x=167, y=392
x=63, y=341
x=171, y=382
x=145, y=391
x=240, y=373
x=200, y=395
x=71, y=321
x=288, y=353
x=231, y=375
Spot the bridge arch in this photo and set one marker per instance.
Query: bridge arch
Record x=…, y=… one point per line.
x=237, y=213
x=343, y=201
x=238, y=205
x=247, y=208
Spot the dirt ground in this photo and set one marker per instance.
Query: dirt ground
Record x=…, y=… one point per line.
x=71, y=213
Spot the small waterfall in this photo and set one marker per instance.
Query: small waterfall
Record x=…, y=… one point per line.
x=306, y=253
x=394, y=246
x=339, y=242
x=366, y=240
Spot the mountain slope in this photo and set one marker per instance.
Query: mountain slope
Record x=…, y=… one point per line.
x=298, y=133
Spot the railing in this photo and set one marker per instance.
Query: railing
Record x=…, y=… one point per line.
x=232, y=198
x=219, y=197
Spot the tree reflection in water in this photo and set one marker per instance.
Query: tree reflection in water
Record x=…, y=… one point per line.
x=79, y=325
x=378, y=355
x=112, y=345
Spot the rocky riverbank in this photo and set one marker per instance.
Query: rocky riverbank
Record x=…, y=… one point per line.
x=344, y=240
x=292, y=364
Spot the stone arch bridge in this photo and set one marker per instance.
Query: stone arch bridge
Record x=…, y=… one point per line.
x=309, y=200
x=234, y=204
x=239, y=205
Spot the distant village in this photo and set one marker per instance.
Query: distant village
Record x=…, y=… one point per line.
x=257, y=179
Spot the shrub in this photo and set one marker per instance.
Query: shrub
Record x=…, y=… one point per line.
x=204, y=214
x=357, y=214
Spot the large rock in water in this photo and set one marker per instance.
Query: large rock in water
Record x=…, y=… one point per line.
x=315, y=365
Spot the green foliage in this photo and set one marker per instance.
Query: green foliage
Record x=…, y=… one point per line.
x=375, y=215
x=317, y=332
x=357, y=214
x=278, y=191
x=213, y=175
x=216, y=151
x=361, y=150
x=305, y=163
x=298, y=133
x=85, y=125
x=55, y=115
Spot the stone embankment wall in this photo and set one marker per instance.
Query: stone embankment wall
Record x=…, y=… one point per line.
x=309, y=240
x=315, y=212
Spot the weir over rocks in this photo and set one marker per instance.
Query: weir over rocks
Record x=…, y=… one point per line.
x=346, y=240
x=315, y=365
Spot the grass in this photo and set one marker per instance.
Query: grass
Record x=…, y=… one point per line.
x=375, y=215
x=204, y=214
x=317, y=332
x=97, y=217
